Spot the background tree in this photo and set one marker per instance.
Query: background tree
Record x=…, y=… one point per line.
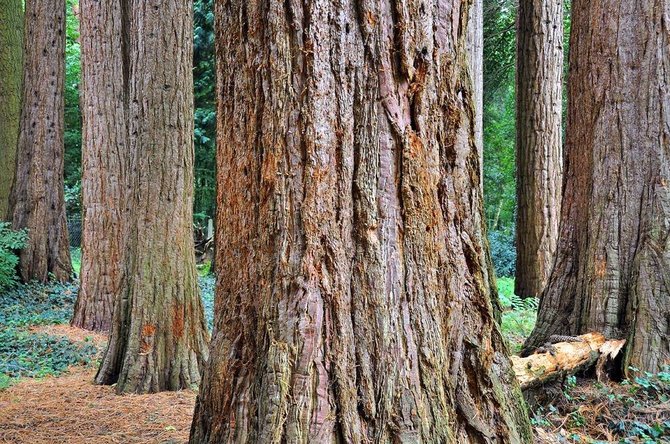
x=37, y=202
x=539, y=144
x=105, y=162
x=158, y=338
x=345, y=161
x=613, y=250
x=11, y=49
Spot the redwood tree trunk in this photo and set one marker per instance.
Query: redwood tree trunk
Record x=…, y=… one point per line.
x=539, y=149
x=614, y=247
x=353, y=302
x=37, y=199
x=105, y=157
x=158, y=338
x=11, y=48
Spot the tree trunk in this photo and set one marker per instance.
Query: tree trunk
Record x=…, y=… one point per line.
x=614, y=249
x=353, y=302
x=37, y=200
x=539, y=147
x=159, y=337
x=11, y=48
x=475, y=47
x=104, y=162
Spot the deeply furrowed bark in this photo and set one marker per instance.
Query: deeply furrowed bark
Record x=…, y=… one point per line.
x=614, y=250
x=37, y=200
x=539, y=147
x=353, y=295
x=11, y=48
x=158, y=337
x=104, y=162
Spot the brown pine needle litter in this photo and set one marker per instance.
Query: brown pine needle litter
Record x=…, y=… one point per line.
x=70, y=409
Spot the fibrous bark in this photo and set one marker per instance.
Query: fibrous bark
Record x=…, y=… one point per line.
x=475, y=48
x=11, y=49
x=105, y=159
x=614, y=245
x=353, y=301
x=538, y=141
x=37, y=199
x=158, y=337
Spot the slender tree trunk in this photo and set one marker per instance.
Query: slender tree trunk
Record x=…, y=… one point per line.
x=105, y=156
x=159, y=337
x=37, y=200
x=353, y=303
x=11, y=49
x=475, y=47
x=539, y=148
x=614, y=247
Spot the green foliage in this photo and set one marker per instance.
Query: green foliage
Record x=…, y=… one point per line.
x=37, y=304
x=24, y=353
x=72, y=134
x=503, y=251
x=10, y=241
x=519, y=315
x=75, y=256
x=207, y=291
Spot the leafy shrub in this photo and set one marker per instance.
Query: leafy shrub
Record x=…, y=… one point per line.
x=10, y=241
x=503, y=251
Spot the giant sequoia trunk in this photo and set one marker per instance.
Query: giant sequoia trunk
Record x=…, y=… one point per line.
x=11, y=48
x=37, y=199
x=614, y=248
x=158, y=337
x=475, y=48
x=353, y=302
x=105, y=157
x=538, y=141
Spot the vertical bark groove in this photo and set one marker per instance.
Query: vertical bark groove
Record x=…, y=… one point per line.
x=37, y=199
x=353, y=294
x=539, y=150
x=613, y=251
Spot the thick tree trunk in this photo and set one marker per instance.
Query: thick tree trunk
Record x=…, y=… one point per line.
x=104, y=161
x=539, y=147
x=11, y=56
x=159, y=337
x=353, y=296
x=37, y=200
x=614, y=247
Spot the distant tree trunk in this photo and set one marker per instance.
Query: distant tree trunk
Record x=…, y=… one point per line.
x=539, y=148
x=475, y=47
x=352, y=298
x=11, y=49
x=614, y=249
x=158, y=337
x=104, y=162
x=37, y=200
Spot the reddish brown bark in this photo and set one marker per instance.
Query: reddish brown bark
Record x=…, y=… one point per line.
x=158, y=337
x=613, y=251
x=539, y=145
x=37, y=199
x=353, y=301
x=105, y=162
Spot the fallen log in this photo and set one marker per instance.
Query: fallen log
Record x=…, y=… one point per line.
x=562, y=359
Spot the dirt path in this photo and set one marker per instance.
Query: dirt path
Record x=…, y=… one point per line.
x=70, y=409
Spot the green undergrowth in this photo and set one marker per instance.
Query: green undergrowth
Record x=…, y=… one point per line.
x=636, y=410
x=519, y=315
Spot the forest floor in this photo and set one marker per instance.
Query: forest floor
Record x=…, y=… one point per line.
x=47, y=394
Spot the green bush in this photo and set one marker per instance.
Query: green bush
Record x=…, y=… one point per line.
x=503, y=251
x=10, y=241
